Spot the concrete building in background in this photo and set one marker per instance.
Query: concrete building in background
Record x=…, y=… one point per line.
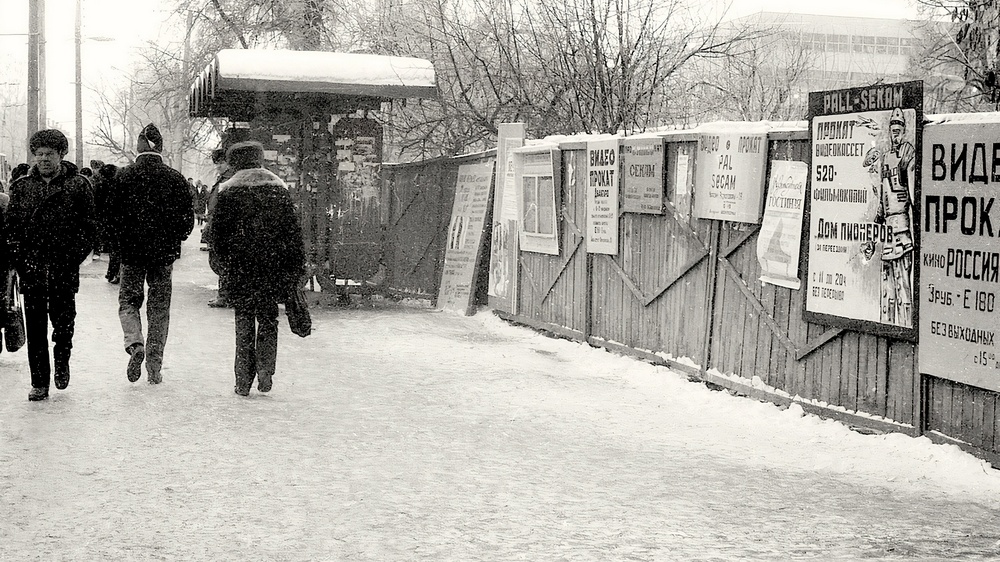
x=771, y=76
x=846, y=51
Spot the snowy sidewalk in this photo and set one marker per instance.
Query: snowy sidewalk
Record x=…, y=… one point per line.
x=403, y=434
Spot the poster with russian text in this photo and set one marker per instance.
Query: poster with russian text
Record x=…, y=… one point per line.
x=729, y=178
x=960, y=254
x=465, y=238
x=781, y=229
x=503, y=272
x=602, y=197
x=642, y=176
x=863, y=236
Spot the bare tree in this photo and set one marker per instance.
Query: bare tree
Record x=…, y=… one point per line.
x=576, y=66
x=764, y=78
x=157, y=93
x=960, y=59
x=117, y=113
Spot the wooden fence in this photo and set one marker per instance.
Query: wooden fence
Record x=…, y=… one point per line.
x=684, y=292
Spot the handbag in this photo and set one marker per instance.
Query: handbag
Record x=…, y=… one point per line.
x=297, y=310
x=13, y=333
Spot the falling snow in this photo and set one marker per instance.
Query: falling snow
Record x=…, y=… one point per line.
x=400, y=433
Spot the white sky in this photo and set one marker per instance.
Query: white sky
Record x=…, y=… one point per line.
x=128, y=22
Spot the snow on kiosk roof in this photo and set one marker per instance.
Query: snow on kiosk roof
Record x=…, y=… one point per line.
x=239, y=82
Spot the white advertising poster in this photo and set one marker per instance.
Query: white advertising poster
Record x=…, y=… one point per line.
x=781, y=229
x=536, y=175
x=861, y=222
x=682, y=182
x=729, y=178
x=602, y=197
x=642, y=176
x=960, y=254
x=465, y=233
x=504, y=248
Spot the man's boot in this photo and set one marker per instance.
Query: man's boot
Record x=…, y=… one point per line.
x=138, y=353
x=62, y=373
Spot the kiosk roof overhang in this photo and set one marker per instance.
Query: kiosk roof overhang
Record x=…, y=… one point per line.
x=237, y=77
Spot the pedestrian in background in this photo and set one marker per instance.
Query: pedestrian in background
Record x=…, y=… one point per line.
x=257, y=242
x=51, y=230
x=200, y=202
x=4, y=264
x=151, y=216
x=106, y=190
x=100, y=206
x=225, y=172
x=20, y=170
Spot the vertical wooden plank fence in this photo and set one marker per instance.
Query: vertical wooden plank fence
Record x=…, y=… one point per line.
x=686, y=292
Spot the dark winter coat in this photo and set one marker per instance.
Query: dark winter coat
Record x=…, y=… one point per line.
x=211, y=199
x=257, y=238
x=51, y=229
x=151, y=212
x=103, y=188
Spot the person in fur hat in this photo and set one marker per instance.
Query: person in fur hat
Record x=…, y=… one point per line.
x=51, y=230
x=151, y=214
x=257, y=242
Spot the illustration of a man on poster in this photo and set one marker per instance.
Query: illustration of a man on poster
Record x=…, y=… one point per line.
x=895, y=210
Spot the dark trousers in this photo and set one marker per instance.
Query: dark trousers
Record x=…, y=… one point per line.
x=114, y=264
x=59, y=307
x=130, y=297
x=256, y=341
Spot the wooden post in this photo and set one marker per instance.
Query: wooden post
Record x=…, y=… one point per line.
x=713, y=272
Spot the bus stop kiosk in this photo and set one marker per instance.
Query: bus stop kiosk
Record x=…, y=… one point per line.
x=310, y=109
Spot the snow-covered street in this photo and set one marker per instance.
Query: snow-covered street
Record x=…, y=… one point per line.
x=399, y=433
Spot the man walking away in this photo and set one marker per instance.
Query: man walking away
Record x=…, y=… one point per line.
x=51, y=230
x=151, y=216
x=224, y=173
x=257, y=242
x=108, y=173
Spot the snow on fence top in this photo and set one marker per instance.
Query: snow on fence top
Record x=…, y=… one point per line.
x=234, y=73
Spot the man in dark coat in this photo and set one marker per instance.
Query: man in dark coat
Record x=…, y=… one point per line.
x=103, y=194
x=51, y=230
x=151, y=215
x=257, y=242
x=224, y=173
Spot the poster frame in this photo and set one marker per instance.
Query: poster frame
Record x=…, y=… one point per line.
x=529, y=241
x=912, y=95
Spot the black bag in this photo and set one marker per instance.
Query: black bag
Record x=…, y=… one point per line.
x=297, y=310
x=13, y=333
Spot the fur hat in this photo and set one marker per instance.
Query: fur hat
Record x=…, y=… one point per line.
x=108, y=171
x=150, y=140
x=49, y=138
x=244, y=155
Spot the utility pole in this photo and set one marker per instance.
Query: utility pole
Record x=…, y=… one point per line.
x=43, y=95
x=79, y=86
x=33, y=40
x=185, y=71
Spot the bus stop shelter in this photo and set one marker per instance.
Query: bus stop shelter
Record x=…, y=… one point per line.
x=311, y=110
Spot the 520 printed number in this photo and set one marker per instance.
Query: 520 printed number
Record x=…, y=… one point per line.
x=825, y=172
